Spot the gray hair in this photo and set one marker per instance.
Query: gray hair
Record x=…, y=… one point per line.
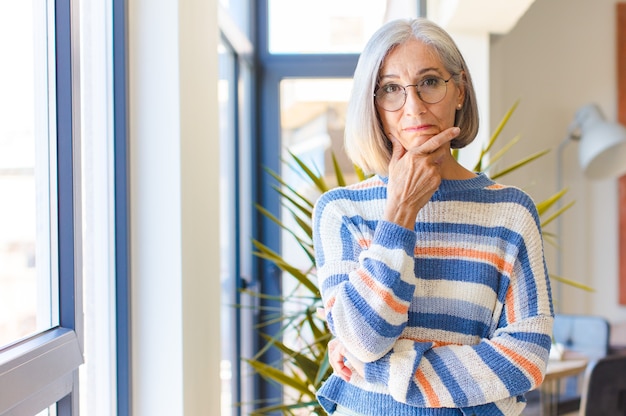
x=364, y=139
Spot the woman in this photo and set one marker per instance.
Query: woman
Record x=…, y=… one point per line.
x=432, y=276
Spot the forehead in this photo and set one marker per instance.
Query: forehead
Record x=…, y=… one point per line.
x=412, y=56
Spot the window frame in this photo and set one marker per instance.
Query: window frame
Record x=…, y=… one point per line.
x=241, y=148
x=42, y=370
x=274, y=68
x=123, y=326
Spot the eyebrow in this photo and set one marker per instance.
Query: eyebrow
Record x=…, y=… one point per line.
x=420, y=72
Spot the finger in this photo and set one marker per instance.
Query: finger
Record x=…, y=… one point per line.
x=337, y=362
x=438, y=140
x=337, y=359
x=345, y=374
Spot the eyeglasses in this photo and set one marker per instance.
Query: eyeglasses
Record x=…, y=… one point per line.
x=392, y=97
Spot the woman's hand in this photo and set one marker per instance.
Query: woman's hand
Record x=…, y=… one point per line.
x=414, y=176
x=336, y=357
x=344, y=363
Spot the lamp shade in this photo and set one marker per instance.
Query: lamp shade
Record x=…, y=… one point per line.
x=602, y=151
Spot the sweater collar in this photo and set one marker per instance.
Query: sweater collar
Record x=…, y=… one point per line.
x=481, y=180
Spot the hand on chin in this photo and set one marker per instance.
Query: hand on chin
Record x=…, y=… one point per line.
x=415, y=140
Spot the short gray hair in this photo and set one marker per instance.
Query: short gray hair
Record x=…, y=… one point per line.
x=364, y=139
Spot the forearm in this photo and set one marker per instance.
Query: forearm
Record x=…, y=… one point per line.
x=465, y=376
x=367, y=289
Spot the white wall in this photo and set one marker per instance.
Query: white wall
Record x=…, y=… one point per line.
x=560, y=56
x=174, y=207
x=474, y=46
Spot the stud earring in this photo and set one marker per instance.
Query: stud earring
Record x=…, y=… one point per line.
x=458, y=107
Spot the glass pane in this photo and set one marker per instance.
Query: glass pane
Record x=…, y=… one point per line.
x=330, y=26
x=227, y=100
x=312, y=115
x=51, y=411
x=312, y=126
x=239, y=11
x=26, y=162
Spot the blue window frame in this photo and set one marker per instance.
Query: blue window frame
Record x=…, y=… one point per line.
x=122, y=267
x=237, y=152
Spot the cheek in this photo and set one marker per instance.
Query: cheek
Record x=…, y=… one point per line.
x=447, y=119
x=387, y=120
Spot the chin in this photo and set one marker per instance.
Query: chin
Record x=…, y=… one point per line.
x=419, y=140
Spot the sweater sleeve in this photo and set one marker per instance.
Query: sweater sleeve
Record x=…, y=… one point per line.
x=512, y=361
x=509, y=364
x=365, y=278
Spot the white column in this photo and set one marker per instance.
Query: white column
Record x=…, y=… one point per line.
x=174, y=207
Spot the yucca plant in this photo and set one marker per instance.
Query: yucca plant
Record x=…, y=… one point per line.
x=303, y=335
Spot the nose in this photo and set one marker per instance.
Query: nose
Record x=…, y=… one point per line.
x=414, y=104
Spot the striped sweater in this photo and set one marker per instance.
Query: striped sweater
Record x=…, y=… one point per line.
x=454, y=317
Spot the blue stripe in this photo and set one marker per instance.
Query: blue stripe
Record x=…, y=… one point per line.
x=389, y=278
x=350, y=249
x=504, y=195
x=448, y=269
x=508, y=239
x=505, y=370
x=528, y=278
x=368, y=317
x=447, y=377
x=462, y=374
x=542, y=341
x=455, y=307
x=456, y=324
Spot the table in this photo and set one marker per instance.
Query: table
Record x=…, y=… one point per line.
x=557, y=370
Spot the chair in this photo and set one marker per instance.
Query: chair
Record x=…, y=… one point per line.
x=604, y=388
x=584, y=334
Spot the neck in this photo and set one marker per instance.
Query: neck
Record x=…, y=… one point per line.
x=451, y=169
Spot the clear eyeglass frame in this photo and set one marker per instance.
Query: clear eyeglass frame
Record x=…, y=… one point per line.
x=392, y=101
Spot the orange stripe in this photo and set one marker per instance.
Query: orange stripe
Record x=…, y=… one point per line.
x=329, y=304
x=510, y=305
x=382, y=293
x=434, y=342
x=500, y=263
x=366, y=185
x=522, y=361
x=433, y=400
x=364, y=243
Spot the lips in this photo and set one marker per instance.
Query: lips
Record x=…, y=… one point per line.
x=419, y=129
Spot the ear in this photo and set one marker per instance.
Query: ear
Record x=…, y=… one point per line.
x=461, y=88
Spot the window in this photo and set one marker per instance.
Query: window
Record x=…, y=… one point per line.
x=302, y=79
x=235, y=90
x=307, y=65
x=40, y=347
x=330, y=26
x=28, y=293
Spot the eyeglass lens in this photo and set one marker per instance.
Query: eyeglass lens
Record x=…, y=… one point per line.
x=392, y=97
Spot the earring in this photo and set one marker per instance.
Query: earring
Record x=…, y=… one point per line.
x=458, y=107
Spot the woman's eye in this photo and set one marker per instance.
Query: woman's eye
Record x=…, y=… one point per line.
x=430, y=82
x=392, y=89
